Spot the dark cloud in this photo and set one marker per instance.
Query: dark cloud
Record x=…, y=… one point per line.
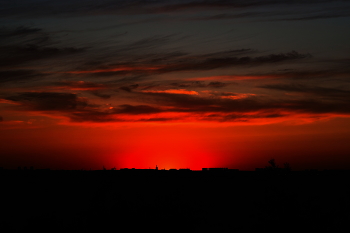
x=320, y=16
x=186, y=5
x=240, y=117
x=221, y=62
x=1, y=119
x=136, y=109
x=45, y=52
x=19, y=54
x=315, y=90
x=192, y=103
x=137, y=59
x=92, y=116
x=146, y=43
x=14, y=76
x=80, y=85
x=32, y=44
x=158, y=119
x=341, y=71
x=129, y=88
x=49, y=101
x=196, y=104
x=191, y=63
x=281, y=57
x=229, y=16
x=203, y=108
x=160, y=58
x=224, y=4
x=213, y=62
x=18, y=31
x=101, y=95
x=315, y=106
x=150, y=86
x=179, y=57
x=217, y=84
x=195, y=84
x=325, y=13
x=23, y=35
x=229, y=53
x=33, y=8
x=23, y=44
x=189, y=84
x=282, y=14
x=95, y=115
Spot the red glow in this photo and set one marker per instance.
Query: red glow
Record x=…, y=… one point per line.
x=173, y=91
x=193, y=146
x=234, y=77
x=167, y=150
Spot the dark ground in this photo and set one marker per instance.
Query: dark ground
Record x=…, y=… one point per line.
x=128, y=201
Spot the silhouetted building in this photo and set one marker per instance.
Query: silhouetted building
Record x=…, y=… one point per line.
x=218, y=169
x=44, y=170
x=233, y=170
x=184, y=170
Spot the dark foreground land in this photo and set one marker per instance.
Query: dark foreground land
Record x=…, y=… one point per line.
x=101, y=201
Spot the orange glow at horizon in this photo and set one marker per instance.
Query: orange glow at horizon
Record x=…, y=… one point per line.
x=167, y=150
x=145, y=159
x=177, y=146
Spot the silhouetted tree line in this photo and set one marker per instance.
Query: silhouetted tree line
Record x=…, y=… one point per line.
x=274, y=167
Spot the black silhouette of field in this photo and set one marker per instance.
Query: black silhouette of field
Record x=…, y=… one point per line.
x=216, y=201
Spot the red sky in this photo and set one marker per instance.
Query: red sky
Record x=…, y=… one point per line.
x=315, y=145
x=178, y=85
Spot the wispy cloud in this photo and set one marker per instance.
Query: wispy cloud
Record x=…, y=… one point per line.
x=200, y=84
x=282, y=74
x=78, y=85
x=33, y=8
x=172, y=91
x=218, y=106
x=188, y=63
x=48, y=101
x=340, y=94
x=150, y=76
x=19, y=75
x=23, y=45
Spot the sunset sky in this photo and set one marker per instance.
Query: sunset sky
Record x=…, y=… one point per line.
x=178, y=84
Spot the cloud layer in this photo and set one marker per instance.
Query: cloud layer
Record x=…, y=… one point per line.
x=138, y=70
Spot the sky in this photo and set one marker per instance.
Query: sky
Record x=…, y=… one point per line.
x=178, y=84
